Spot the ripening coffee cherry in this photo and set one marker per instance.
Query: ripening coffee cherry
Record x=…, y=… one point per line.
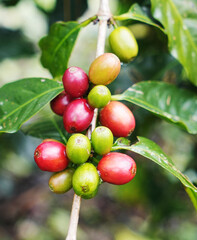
x=118, y=118
x=99, y=96
x=123, y=44
x=104, y=69
x=117, y=168
x=61, y=182
x=77, y=116
x=59, y=103
x=78, y=148
x=86, y=180
x=102, y=140
x=51, y=156
x=75, y=82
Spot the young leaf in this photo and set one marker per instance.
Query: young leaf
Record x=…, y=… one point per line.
x=136, y=13
x=179, y=19
x=152, y=151
x=46, y=126
x=20, y=100
x=57, y=46
x=178, y=106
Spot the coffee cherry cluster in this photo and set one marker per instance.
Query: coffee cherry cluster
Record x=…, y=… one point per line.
x=83, y=163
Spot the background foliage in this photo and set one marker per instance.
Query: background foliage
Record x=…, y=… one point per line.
x=144, y=208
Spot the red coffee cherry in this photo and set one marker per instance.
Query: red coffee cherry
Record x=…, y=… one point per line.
x=51, y=156
x=117, y=168
x=75, y=82
x=118, y=118
x=59, y=103
x=77, y=116
x=50, y=140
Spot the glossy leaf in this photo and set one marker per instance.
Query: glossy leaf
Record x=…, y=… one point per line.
x=122, y=141
x=193, y=196
x=136, y=13
x=57, y=46
x=22, y=99
x=178, y=106
x=152, y=151
x=46, y=126
x=180, y=21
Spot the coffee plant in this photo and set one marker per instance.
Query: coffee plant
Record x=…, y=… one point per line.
x=88, y=151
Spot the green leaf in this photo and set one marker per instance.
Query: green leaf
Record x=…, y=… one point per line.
x=46, y=126
x=178, y=106
x=152, y=151
x=180, y=21
x=193, y=196
x=136, y=13
x=20, y=100
x=122, y=141
x=57, y=46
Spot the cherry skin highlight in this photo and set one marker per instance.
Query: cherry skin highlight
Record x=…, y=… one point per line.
x=51, y=156
x=77, y=116
x=75, y=82
x=117, y=168
x=118, y=118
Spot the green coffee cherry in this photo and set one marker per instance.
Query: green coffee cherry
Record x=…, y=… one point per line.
x=123, y=44
x=99, y=96
x=78, y=148
x=61, y=182
x=86, y=180
x=102, y=140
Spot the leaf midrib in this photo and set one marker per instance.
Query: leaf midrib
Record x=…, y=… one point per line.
x=64, y=39
x=152, y=108
x=149, y=152
x=180, y=19
x=142, y=18
x=29, y=101
x=134, y=149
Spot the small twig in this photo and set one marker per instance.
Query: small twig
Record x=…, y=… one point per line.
x=74, y=218
x=103, y=15
x=88, y=21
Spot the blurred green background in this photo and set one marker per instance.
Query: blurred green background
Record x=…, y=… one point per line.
x=154, y=205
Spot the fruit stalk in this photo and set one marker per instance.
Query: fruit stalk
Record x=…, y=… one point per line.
x=74, y=217
x=104, y=15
